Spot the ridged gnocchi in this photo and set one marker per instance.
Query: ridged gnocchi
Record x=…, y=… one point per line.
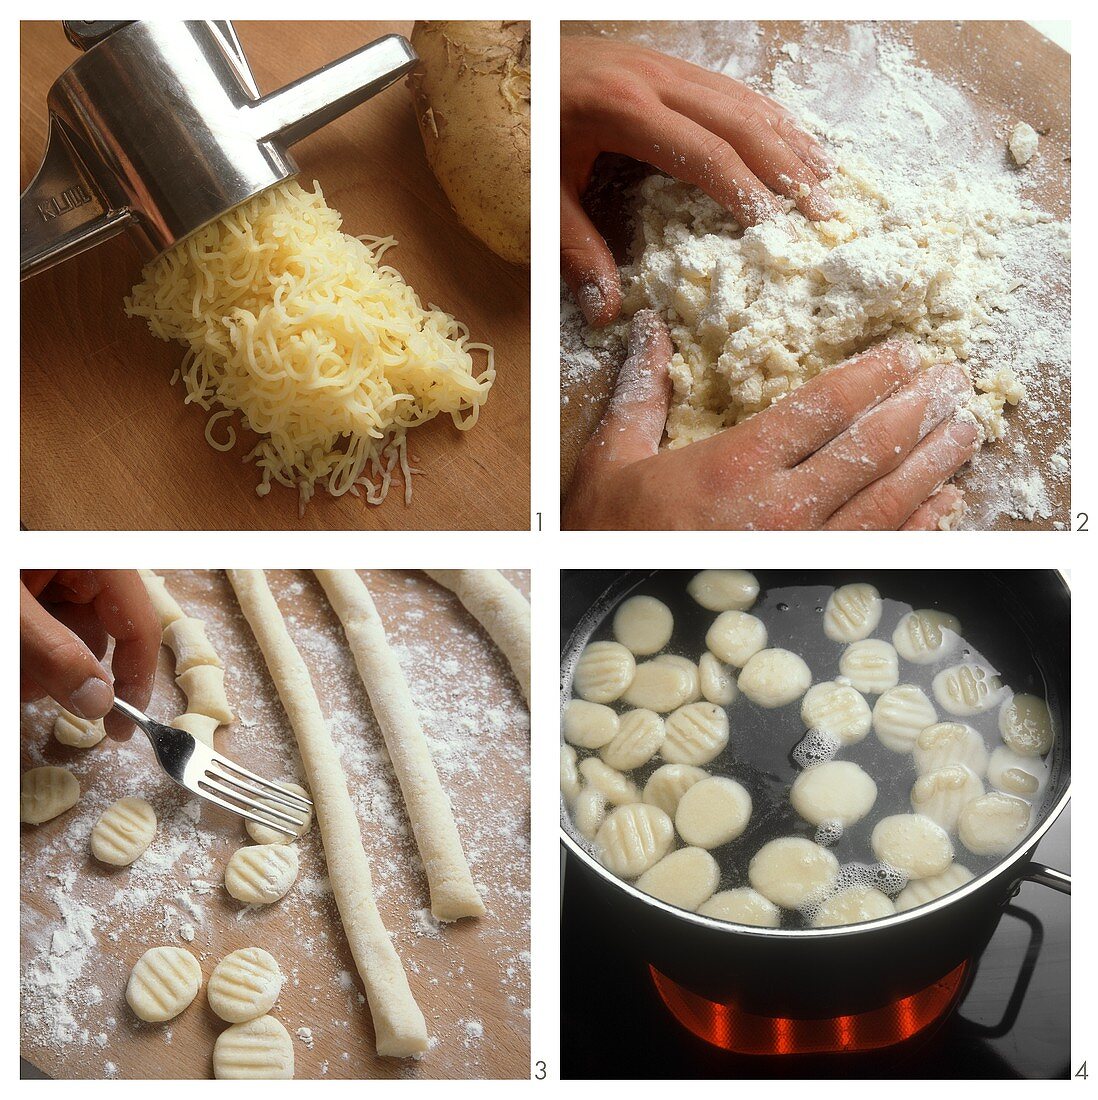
x=257, y=1050
x=77, y=732
x=244, y=985
x=634, y=838
x=900, y=715
x=852, y=612
x=261, y=873
x=837, y=710
x=695, y=734
x=162, y=983
x=871, y=666
x=603, y=672
x=640, y=735
x=264, y=834
x=123, y=832
x=46, y=793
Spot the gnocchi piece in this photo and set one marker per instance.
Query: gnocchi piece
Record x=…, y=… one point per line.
x=45, y=793
x=1012, y=773
x=852, y=612
x=774, y=678
x=853, y=905
x=186, y=638
x=262, y=873
x=123, y=832
x=724, y=589
x=713, y=812
x=263, y=834
x=616, y=787
x=871, y=666
x=603, y=672
x=259, y=1050
x=204, y=687
x=668, y=783
x=923, y=637
x=662, y=686
x=695, y=734
x=244, y=985
x=735, y=637
x=1025, y=725
x=912, y=844
x=589, y=812
x=570, y=785
x=837, y=790
x=716, y=680
x=643, y=625
x=994, y=824
x=640, y=735
x=838, y=711
x=589, y=725
x=634, y=838
x=900, y=715
x=925, y=890
x=691, y=670
x=77, y=732
x=162, y=983
x=685, y=878
x=947, y=743
x=200, y=726
x=941, y=795
x=967, y=689
x=742, y=906
x=793, y=872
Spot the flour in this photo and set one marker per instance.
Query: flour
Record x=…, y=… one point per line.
x=1022, y=143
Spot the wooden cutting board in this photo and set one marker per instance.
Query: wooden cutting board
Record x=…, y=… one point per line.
x=1006, y=70
x=471, y=978
x=107, y=444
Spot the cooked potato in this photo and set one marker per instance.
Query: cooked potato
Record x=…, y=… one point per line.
x=471, y=90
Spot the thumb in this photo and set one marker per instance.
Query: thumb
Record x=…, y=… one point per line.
x=587, y=264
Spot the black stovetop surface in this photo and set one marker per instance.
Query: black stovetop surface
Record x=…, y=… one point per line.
x=1013, y=1022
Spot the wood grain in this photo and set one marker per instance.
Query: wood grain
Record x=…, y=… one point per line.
x=107, y=445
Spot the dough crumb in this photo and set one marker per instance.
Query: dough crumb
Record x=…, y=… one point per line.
x=1023, y=143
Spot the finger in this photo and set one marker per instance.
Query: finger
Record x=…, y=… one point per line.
x=124, y=608
x=632, y=426
x=680, y=147
x=880, y=440
x=55, y=660
x=587, y=263
x=939, y=512
x=800, y=424
x=890, y=501
x=82, y=620
x=759, y=143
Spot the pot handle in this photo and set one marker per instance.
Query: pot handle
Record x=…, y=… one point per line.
x=1047, y=876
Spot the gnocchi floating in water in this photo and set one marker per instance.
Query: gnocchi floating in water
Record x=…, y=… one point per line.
x=994, y=824
x=912, y=844
x=589, y=725
x=716, y=680
x=685, y=878
x=923, y=637
x=925, y=890
x=941, y=795
x=713, y=812
x=774, y=678
x=870, y=666
x=837, y=791
x=570, y=785
x=668, y=783
x=634, y=838
x=589, y=811
x=1025, y=725
x=900, y=715
x=643, y=625
x=691, y=670
x=852, y=612
x=1013, y=773
x=662, y=685
x=742, y=906
x=837, y=710
x=967, y=689
x=947, y=743
x=695, y=734
x=724, y=589
x=853, y=905
x=736, y=637
x=618, y=788
x=603, y=672
x=793, y=872
x=640, y=735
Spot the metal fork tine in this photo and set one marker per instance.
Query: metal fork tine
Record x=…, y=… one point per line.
x=210, y=782
x=232, y=807
x=287, y=798
x=241, y=785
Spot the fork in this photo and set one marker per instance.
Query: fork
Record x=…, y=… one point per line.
x=215, y=777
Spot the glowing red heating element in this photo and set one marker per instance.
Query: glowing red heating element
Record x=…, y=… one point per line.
x=733, y=1029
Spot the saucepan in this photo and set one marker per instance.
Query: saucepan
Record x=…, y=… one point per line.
x=1022, y=618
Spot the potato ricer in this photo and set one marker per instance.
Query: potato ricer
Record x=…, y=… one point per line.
x=158, y=128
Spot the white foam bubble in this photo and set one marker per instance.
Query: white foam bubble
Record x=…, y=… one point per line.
x=817, y=747
x=828, y=833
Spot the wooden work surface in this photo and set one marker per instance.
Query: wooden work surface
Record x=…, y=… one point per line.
x=471, y=978
x=106, y=444
x=1006, y=70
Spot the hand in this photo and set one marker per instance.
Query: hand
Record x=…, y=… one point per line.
x=737, y=145
x=866, y=445
x=65, y=619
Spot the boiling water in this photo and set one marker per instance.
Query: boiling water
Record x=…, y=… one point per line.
x=767, y=748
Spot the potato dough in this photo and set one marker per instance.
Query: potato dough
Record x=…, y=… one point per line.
x=724, y=589
x=162, y=983
x=924, y=890
x=900, y=715
x=967, y=689
x=662, y=685
x=640, y=735
x=854, y=905
x=258, y=1050
x=634, y=838
x=685, y=878
x=870, y=666
x=262, y=873
x=44, y=793
x=244, y=985
x=1025, y=725
x=200, y=726
x=668, y=783
x=941, y=795
x=837, y=790
x=735, y=637
x=603, y=672
x=589, y=725
x=993, y=825
x=947, y=743
x=77, y=732
x=716, y=680
x=912, y=844
x=643, y=625
x=852, y=612
x=712, y=812
x=926, y=636
x=742, y=906
x=262, y=834
x=695, y=734
x=792, y=872
x=838, y=711
x=123, y=832
x=774, y=678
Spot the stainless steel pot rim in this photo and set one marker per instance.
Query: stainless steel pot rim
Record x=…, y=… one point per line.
x=841, y=931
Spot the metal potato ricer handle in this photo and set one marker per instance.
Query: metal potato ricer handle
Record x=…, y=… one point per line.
x=160, y=129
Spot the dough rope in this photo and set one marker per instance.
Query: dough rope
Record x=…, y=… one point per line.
x=453, y=894
x=500, y=608
x=398, y=1023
